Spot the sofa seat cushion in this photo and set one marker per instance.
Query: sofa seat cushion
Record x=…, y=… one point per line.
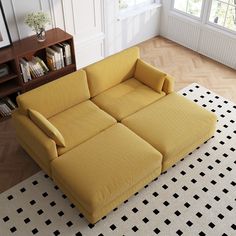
x=174, y=125
x=126, y=98
x=102, y=172
x=80, y=123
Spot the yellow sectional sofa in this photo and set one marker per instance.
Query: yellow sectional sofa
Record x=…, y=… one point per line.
x=105, y=131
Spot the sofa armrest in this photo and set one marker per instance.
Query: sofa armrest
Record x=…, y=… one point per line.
x=37, y=144
x=168, y=86
x=150, y=75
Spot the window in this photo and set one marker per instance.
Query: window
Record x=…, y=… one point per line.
x=191, y=7
x=132, y=4
x=223, y=13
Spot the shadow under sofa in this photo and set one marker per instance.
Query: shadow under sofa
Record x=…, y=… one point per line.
x=104, y=132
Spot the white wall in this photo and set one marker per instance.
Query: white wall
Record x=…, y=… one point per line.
x=82, y=19
x=124, y=33
x=98, y=32
x=198, y=36
x=93, y=23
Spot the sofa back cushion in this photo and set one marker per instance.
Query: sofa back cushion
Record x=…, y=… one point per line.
x=47, y=127
x=57, y=96
x=112, y=70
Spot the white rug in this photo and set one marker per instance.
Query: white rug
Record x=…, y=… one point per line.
x=196, y=197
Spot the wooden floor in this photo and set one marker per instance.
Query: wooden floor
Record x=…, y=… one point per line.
x=188, y=67
x=185, y=65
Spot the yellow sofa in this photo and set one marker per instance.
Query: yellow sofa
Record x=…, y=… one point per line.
x=104, y=132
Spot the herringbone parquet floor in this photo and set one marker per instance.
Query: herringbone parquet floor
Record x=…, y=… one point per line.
x=188, y=67
x=185, y=65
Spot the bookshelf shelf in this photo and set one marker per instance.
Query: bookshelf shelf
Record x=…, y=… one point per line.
x=8, y=77
x=27, y=49
x=9, y=88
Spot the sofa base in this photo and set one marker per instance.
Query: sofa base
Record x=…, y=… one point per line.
x=168, y=164
x=34, y=156
x=93, y=217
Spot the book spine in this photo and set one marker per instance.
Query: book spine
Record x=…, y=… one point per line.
x=69, y=55
x=32, y=70
x=42, y=64
x=28, y=71
x=5, y=110
x=9, y=103
x=50, y=63
x=24, y=74
x=58, y=63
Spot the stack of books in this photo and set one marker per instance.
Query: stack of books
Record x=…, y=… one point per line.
x=58, y=56
x=32, y=69
x=6, y=107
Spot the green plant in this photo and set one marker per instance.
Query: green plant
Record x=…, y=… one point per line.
x=37, y=20
x=122, y=4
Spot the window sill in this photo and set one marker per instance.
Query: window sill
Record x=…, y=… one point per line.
x=204, y=26
x=220, y=29
x=130, y=13
x=185, y=16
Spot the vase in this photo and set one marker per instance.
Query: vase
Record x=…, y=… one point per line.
x=41, y=35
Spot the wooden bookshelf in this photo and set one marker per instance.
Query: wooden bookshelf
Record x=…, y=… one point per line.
x=13, y=83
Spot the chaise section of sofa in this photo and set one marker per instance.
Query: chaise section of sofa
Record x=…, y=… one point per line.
x=104, y=171
x=122, y=84
x=174, y=125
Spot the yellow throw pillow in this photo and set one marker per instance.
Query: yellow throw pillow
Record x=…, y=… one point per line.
x=149, y=75
x=48, y=128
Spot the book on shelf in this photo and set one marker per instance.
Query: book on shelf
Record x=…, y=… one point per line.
x=42, y=64
x=6, y=107
x=67, y=53
x=57, y=57
x=25, y=69
x=51, y=62
x=59, y=51
x=32, y=69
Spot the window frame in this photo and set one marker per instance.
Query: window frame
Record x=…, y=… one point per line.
x=136, y=6
x=220, y=27
x=204, y=18
x=179, y=12
x=122, y=14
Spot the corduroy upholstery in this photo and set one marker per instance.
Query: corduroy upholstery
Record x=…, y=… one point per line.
x=101, y=172
x=111, y=71
x=104, y=162
x=47, y=127
x=174, y=125
x=126, y=98
x=79, y=123
x=57, y=96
